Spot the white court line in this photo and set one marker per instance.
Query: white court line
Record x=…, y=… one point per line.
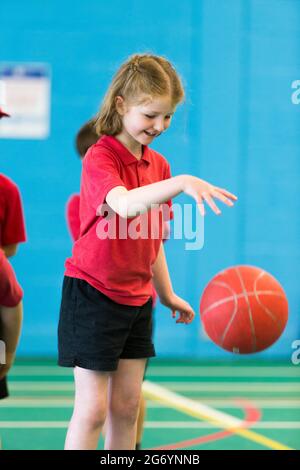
x=231, y=387
x=174, y=386
x=173, y=371
x=149, y=425
x=67, y=402
x=208, y=414
x=199, y=425
x=280, y=372
x=266, y=403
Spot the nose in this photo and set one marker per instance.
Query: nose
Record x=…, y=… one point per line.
x=159, y=125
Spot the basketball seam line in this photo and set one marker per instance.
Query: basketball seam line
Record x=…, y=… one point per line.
x=238, y=296
x=234, y=312
x=249, y=311
x=267, y=311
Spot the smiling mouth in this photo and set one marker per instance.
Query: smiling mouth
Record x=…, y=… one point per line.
x=150, y=134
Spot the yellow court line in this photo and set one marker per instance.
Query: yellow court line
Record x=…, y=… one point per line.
x=204, y=412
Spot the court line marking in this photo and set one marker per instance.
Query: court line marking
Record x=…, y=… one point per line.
x=151, y=424
x=67, y=402
x=232, y=386
x=195, y=425
x=175, y=386
x=204, y=412
x=252, y=416
x=173, y=371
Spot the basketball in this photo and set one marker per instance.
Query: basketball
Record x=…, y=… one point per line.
x=244, y=309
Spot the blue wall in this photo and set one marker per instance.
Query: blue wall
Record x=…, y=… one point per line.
x=237, y=129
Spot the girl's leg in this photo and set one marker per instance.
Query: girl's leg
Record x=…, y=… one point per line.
x=124, y=398
x=89, y=409
x=141, y=420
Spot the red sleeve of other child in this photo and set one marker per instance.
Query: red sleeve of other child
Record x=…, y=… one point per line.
x=12, y=226
x=10, y=291
x=72, y=214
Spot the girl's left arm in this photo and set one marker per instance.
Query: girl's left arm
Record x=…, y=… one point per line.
x=164, y=289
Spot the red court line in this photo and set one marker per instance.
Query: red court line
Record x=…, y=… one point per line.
x=252, y=416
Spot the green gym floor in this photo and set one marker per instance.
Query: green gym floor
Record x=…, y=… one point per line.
x=264, y=396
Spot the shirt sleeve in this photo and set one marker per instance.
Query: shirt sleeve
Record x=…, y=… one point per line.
x=13, y=228
x=100, y=174
x=72, y=215
x=10, y=291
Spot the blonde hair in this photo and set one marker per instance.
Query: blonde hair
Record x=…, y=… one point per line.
x=141, y=76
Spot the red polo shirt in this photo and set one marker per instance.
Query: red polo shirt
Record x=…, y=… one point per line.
x=12, y=227
x=118, y=267
x=10, y=291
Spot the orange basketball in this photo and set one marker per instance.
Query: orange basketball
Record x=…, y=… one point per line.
x=244, y=309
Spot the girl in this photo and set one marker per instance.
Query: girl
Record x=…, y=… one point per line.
x=105, y=319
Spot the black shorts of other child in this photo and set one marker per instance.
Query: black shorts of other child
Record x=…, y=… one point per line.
x=94, y=332
x=3, y=388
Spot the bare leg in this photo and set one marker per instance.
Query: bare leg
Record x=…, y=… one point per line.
x=89, y=409
x=124, y=398
x=141, y=419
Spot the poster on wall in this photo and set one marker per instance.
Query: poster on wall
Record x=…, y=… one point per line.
x=25, y=96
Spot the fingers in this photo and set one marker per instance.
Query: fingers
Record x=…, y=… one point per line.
x=211, y=203
x=222, y=198
x=200, y=205
x=185, y=317
x=226, y=193
x=217, y=193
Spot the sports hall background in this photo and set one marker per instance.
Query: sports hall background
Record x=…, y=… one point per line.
x=238, y=129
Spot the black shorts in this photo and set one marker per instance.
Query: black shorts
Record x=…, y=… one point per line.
x=94, y=332
x=3, y=388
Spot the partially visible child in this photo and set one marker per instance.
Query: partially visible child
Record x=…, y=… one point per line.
x=10, y=317
x=12, y=232
x=85, y=137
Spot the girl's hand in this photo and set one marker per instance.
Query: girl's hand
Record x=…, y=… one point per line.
x=202, y=191
x=176, y=304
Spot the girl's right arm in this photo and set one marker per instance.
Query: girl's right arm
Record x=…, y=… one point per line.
x=139, y=200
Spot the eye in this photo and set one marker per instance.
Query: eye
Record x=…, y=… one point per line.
x=148, y=116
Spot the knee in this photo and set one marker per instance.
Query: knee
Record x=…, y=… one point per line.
x=126, y=410
x=92, y=415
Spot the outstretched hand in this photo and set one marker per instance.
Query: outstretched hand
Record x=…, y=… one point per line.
x=202, y=191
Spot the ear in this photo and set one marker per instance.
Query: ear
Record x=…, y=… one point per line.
x=120, y=105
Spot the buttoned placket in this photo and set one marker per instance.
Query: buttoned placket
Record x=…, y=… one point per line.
x=139, y=172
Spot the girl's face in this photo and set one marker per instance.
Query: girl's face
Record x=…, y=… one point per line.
x=144, y=122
